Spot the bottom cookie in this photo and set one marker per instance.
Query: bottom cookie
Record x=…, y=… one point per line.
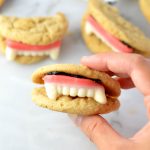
x=80, y=106
x=29, y=59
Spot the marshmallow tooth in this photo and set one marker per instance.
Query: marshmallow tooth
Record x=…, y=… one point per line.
x=82, y=92
x=26, y=53
x=73, y=91
x=51, y=91
x=10, y=54
x=54, y=54
x=66, y=90
x=88, y=29
x=59, y=89
x=90, y=93
x=100, y=96
x=33, y=54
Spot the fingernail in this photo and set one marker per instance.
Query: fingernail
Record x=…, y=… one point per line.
x=76, y=119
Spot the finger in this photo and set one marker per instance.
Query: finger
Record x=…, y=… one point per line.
x=114, y=62
x=147, y=104
x=148, y=110
x=116, y=74
x=143, y=137
x=125, y=83
x=141, y=77
x=134, y=65
x=100, y=132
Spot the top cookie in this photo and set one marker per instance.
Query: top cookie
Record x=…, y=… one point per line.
x=117, y=26
x=110, y=84
x=33, y=31
x=145, y=6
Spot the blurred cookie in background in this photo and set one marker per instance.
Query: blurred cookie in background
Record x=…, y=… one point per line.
x=29, y=40
x=104, y=29
x=1, y=2
x=145, y=7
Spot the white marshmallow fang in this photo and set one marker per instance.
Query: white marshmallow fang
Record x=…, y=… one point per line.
x=54, y=54
x=100, y=96
x=12, y=53
x=53, y=91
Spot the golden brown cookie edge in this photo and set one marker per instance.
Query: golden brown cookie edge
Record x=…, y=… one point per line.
x=29, y=59
x=80, y=106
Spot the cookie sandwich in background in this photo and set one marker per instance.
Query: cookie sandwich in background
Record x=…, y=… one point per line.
x=145, y=8
x=104, y=29
x=1, y=2
x=29, y=40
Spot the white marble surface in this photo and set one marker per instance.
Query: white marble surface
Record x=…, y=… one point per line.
x=27, y=127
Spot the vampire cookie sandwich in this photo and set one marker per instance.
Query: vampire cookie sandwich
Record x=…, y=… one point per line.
x=75, y=89
x=28, y=40
x=104, y=29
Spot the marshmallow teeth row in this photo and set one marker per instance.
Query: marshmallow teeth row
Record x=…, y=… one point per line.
x=54, y=90
x=11, y=53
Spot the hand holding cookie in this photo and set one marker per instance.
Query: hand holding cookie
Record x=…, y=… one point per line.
x=137, y=71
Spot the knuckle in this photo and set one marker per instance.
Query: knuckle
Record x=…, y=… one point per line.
x=93, y=128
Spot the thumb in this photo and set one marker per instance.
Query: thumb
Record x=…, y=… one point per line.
x=99, y=132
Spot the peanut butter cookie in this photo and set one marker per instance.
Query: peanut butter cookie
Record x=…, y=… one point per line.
x=145, y=7
x=28, y=40
x=1, y=2
x=75, y=89
x=104, y=29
